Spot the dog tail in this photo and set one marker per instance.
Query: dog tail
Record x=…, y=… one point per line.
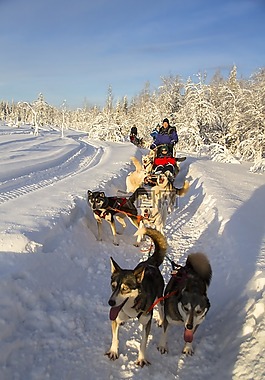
x=137, y=164
x=183, y=191
x=201, y=265
x=160, y=243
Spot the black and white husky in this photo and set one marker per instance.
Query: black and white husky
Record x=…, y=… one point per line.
x=134, y=292
x=105, y=207
x=186, y=302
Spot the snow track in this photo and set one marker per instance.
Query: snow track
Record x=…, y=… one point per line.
x=55, y=275
x=80, y=161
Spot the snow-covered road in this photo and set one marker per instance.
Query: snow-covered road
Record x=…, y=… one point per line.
x=54, y=274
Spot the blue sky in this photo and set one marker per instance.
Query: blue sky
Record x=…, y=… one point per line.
x=75, y=50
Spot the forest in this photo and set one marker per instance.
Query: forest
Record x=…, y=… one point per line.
x=223, y=118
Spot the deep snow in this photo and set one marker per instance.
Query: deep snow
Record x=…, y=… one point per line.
x=54, y=274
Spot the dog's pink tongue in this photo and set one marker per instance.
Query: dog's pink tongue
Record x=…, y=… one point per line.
x=114, y=311
x=188, y=336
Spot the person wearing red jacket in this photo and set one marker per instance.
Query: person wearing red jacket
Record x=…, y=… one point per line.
x=165, y=163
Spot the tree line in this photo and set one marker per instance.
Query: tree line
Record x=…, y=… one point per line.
x=225, y=116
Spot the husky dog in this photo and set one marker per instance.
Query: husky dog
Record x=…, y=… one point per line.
x=166, y=193
x=154, y=217
x=153, y=211
x=107, y=207
x=136, y=178
x=134, y=292
x=160, y=202
x=147, y=162
x=186, y=302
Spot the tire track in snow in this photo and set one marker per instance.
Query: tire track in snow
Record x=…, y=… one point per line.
x=80, y=161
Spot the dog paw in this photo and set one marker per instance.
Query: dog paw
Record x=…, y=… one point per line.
x=112, y=355
x=188, y=350
x=142, y=362
x=163, y=350
x=159, y=322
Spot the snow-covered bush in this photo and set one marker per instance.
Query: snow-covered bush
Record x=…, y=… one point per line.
x=218, y=153
x=259, y=166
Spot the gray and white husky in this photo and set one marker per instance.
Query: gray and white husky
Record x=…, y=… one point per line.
x=134, y=292
x=160, y=202
x=186, y=302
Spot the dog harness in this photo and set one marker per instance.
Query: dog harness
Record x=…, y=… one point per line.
x=180, y=276
x=101, y=214
x=115, y=205
x=118, y=203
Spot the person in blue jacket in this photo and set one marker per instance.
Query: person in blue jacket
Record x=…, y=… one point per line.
x=155, y=132
x=166, y=135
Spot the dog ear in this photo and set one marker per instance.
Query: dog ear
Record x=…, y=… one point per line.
x=208, y=303
x=139, y=274
x=89, y=193
x=102, y=194
x=114, y=266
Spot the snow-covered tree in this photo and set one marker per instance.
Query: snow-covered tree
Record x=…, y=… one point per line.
x=225, y=117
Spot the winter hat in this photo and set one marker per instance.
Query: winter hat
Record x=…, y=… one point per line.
x=166, y=121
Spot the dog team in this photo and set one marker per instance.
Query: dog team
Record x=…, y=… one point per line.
x=135, y=292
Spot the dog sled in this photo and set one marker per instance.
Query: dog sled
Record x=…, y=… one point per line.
x=134, y=139
x=164, y=164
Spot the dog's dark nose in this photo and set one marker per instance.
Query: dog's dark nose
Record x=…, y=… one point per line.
x=112, y=302
x=189, y=326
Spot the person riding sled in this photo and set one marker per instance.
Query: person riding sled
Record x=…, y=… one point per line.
x=133, y=136
x=155, y=132
x=166, y=135
x=165, y=163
